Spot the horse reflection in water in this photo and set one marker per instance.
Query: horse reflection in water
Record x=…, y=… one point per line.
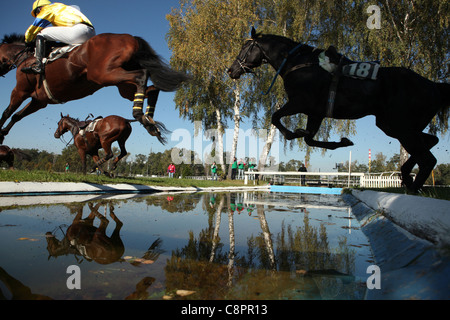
x=91, y=242
x=83, y=238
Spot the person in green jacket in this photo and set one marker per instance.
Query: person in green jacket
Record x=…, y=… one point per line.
x=251, y=168
x=234, y=169
x=214, y=171
x=241, y=166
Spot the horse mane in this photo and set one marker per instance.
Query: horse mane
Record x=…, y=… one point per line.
x=278, y=38
x=288, y=42
x=14, y=38
x=74, y=122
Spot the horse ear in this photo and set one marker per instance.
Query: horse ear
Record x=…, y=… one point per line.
x=253, y=33
x=62, y=115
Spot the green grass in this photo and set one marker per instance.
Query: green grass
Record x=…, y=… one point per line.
x=43, y=176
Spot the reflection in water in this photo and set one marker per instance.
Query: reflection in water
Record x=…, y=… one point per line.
x=302, y=266
x=216, y=245
x=17, y=289
x=84, y=239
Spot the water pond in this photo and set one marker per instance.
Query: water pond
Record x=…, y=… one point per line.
x=238, y=245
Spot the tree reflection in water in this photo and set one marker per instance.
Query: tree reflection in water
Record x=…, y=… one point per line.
x=296, y=263
x=231, y=245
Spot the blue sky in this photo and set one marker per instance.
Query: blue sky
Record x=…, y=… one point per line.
x=148, y=20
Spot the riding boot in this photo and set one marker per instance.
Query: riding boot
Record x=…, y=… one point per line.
x=38, y=66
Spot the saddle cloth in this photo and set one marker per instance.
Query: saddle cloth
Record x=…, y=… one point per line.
x=90, y=127
x=59, y=52
x=358, y=70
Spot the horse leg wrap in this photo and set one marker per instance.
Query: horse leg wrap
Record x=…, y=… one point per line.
x=138, y=105
x=150, y=111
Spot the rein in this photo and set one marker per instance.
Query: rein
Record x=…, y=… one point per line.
x=281, y=67
x=15, y=62
x=73, y=129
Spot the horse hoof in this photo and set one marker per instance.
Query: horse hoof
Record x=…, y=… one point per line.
x=346, y=143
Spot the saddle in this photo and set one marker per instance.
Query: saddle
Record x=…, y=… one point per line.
x=334, y=62
x=58, y=52
x=88, y=125
x=339, y=65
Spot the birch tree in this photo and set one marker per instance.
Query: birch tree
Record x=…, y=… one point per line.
x=414, y=34
x=204, y=37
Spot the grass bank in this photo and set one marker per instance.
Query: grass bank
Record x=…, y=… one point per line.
x=43, y=176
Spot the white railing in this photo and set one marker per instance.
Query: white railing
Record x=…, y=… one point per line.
x=276, y=175
x=379, y=180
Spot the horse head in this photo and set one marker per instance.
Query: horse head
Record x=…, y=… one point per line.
x=12, y=53
x=251, y=56
x=62, y=127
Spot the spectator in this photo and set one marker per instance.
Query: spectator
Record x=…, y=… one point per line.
x=214, y=171
x=251, y=168
x=234, y=169
x=241, y=167
x=303, y=177
x=171, y=170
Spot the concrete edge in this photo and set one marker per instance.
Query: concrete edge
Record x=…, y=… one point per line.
x=42, y=188
x=411, y=266
x=426, y=218
x=29, y=193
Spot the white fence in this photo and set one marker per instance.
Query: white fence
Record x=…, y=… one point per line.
x=379, y=180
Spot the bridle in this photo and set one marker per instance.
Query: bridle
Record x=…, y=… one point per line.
x=61, y=131
x=16, y=60
x=242, y=62
x=292, y=52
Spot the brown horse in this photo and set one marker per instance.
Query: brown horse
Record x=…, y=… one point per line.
x=105, y=131
x=7, y=155
x=120, y=60
x=85, y=239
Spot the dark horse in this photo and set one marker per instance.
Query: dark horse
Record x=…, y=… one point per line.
x=104, y=60
x=402, y=101
x=7, y=155
x=105, y=131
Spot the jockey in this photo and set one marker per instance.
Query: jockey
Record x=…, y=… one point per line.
x=69, y=26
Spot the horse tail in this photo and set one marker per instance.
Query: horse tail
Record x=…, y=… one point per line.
x=162, y=76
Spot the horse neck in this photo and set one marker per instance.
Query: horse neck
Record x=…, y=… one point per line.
x=72, y=124
x=276, y=48
x=12, y=49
